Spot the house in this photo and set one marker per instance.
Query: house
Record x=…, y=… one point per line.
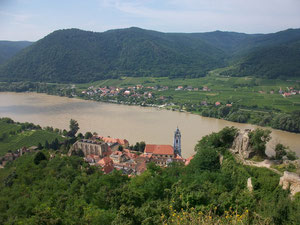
x=217, y=103
x=127, y=92
x=205, y=88
x=130, y=154
x=286, y=94
x=179, y=88
x=165, y=151
x=189, y=88
x=229, y=105
x=107, y=164
x=119, y=157
x=115, y=141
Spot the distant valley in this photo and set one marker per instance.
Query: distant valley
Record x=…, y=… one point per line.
x=10, y=48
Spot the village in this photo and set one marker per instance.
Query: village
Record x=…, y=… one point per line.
x=114, y=154
x=145, y=95
x=136, y=95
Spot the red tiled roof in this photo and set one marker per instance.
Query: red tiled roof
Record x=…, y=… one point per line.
x=159, y=149
x=105, y=161
x=122, y=141
x=117, y=153
x=129, y=154
x=114, y=140
x=107, y=164
x=109, y=140
x=141, y=167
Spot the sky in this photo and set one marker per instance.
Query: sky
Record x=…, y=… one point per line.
x=33, y=19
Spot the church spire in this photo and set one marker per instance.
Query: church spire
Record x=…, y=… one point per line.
x=177, y=142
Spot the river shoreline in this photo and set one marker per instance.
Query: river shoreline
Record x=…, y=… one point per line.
x=150, y=124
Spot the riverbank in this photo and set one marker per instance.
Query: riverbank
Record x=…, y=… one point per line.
x=244, y=100
x=133, y=123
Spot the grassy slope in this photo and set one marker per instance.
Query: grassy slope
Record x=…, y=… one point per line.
x=26, y=138
x=224, y=89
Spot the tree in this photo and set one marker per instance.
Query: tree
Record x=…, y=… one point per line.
x=55, y=144
x=39, y=157
x=142, y=146
x=65, y=132
x=280, y=151
x=258, y=140
x=88, y=135
x=207, y=158
x=40, y=146
x=47, y=146
x=74, y=127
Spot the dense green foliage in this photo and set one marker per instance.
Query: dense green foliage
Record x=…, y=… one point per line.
x=258, y=139
x=79, y=56
x=10, y=48
x=66, y=190
x=74, y=55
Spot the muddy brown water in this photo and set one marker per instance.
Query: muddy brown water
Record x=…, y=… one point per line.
x=134, y=123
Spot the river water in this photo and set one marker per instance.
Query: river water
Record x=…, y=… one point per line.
x=134, y=123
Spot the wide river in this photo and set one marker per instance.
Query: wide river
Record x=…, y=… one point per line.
x=134, y=123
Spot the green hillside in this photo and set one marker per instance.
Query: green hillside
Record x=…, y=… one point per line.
x=78, y=56
x=10, y=48
x=67, y=190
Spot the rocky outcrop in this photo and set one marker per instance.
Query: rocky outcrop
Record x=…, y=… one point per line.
x=290, y=181
x=241, y=145
x=249, y=184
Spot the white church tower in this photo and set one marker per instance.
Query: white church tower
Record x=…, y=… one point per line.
x=177, y=142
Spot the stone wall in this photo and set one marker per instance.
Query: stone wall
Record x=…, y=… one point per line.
x=90, y=147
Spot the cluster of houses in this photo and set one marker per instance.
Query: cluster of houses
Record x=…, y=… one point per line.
x=190, y=88
x=113, y=153
x=289, y=91
x=138, y=91
x=10, y=156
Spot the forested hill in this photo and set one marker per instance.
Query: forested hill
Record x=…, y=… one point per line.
x=74, y=55
x=9, y=48
x=81, y=56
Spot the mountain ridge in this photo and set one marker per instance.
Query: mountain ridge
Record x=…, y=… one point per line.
x=74, y=55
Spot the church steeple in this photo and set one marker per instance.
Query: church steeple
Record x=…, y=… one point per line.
x=177, y=142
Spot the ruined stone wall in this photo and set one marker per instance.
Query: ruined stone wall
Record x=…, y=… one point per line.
x=91, y=148
x=290, y=181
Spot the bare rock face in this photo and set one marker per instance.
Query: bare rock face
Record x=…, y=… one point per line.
x=241, y=145
x=290, y=181
x=249, y=184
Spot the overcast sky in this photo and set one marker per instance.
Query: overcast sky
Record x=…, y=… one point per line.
x=33, y=19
